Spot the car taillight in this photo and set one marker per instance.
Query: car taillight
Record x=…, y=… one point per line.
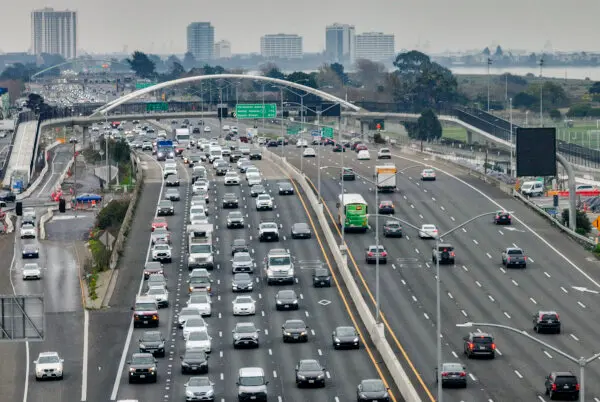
x=471, y=345
x=384, y=254
x=444, y=374
x=576, y=387
x=370, y=254
x=155, y=317
x=508, y=216
x=525, y=258
x=507, y=259
x=463, y=374
x=557, y=318
x=553, y=387
x=451, y=253
x=493, y=346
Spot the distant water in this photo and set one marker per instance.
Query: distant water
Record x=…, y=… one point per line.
x=569, y=72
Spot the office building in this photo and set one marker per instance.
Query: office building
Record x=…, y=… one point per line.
x=201, y=40
x=340, y=43
x=222, y=49
x=375, y=46
x=282, y=46
x=54, y=32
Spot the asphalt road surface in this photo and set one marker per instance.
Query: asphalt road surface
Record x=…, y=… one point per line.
x=560, y=276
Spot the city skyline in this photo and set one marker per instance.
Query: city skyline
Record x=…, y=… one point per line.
x=426, y=26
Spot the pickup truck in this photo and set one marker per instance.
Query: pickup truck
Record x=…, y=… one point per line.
x=514, y=257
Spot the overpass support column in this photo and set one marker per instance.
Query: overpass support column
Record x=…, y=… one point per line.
x=469, y=137
x=364, y=129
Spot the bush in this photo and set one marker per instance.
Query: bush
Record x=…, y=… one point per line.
x=584, y=226
x=378, y=138
x=555, y=114
x=100, y=255
x=112, y=215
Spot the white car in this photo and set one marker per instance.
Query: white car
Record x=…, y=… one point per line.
x=28, y=231
x=428, y=231
x=384, y=153
x=48, y=365
x=428, y=174
x=194, y=324
x=309, y=153
x=234, y=129
x=160, y=294
x=169, y=171
x=198, y=210
x=363, y=155
x=264, y=202
x=301, y=143
x=201, y=184
x=254, y=179
x=241, y=161
x=199, y=340
x=32, y=271
x=202, y=303
x=252, y=170
x=186, y=313
x=232, y=179
x=207, y=129
x=226, y=127
x=217, y=161
x=198, y=200
x=244, y=305
x=161, y=252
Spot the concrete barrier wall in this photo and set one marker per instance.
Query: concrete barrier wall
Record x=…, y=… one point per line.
x=47, y=217
x=375, y=331
x=40, y=177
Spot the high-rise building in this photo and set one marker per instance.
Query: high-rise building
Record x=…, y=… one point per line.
x=223, y=49
x=340, y=43
x=54, y=32
x=201, y=40
x=375, y=46
x=281, y=46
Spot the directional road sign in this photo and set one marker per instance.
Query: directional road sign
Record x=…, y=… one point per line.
x=293, y=130
x=327, y=132
x=157, y=107
x=256, y=111
x=142, y=85
x=315, y=133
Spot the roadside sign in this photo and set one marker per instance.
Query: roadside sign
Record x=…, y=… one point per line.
x=256, y=111
x=315, y=133
x=327, y=132
x=596, y=223
x=142, y=85
x=293, y=130
x=157, y=107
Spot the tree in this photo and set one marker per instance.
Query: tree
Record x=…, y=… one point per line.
x=159, y=64
x=371, y=74
x=555, y=115
x=584, y=226
x=34, y=102
x=18, y=71
x=171, y=60
x=189, y=61
x=339, y=70
x=141, y=64
x=595, y=88
x=52, y=59
x=486, y=51
x=428, y=126
x=177, y=71
x=302, y=78
x=499, y=51
x=525, y=100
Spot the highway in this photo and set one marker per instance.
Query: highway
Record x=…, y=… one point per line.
x=477, y=288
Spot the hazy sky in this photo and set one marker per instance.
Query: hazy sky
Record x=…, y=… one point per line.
x=159, y=25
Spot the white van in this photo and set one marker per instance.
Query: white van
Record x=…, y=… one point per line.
x=215, y=153
x=252, y=384
x=532, y=188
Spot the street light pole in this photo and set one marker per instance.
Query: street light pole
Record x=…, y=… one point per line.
x=541, y=92
x=319, y=158
x=511, y=138
x=343, y=243
x=237, y=120
x=263, y=105
x=489, y=63
x=282, y=130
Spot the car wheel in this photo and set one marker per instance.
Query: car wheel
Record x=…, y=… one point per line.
x=535, y=329
x=558, y=330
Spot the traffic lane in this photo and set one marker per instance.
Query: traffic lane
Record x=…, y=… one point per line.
x=59, y=159
x=69, y=227
x=108, y=328
x=175, y=283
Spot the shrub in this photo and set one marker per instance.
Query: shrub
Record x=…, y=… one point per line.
x=584, y=226
x=112, y=215
x=100, y=255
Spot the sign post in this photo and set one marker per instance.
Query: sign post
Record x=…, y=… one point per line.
x=256, y=111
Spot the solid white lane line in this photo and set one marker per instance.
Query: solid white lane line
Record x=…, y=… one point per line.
x=84, y=371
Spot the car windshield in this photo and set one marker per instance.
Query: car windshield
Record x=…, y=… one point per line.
x=346, y=331
x=165, y=203
x=199, y=382
x=428, y=227
x=190, y=312
x=48, y=359
x=252, y=381
x=300, y=226
x=161, y=247
x=549, y=316
x=515, y=252
x=264, y=197
x=151, y=337
x=239, y=243
x=374, y=249
x=283, y=260
x=285, y=185
x=241, y=277
x=235, y=215
x=198, y=299
x=258, y=188
x=268, y=225
x=27, y=226
x=145, y=306
x=156, y=278
x=564, y=380
x=242, y=257
x=156, y=291
x=142, y=360
x=200, y=248
x=295, y=325
x=245, y=328
x=199, y=280
x=243, y=300
x=287, y=294
x=392, y=224
x=30, y=266
x=198, y=336
x=372, y=386
x=160, y=231
x=452, y=367
x=195, y=322
x=172, y=191
x=310, y=366
x=230, y=196
x=484, y=340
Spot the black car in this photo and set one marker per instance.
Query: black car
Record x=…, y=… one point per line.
x=196, y=130
x=294, y=331
x=310, y=372
x=286, y=300
x=235, y=156
x=502, y=218
x=272, y=144
x=239, y=246
x=345, y=337
x=562, y=384
x=321, y=278
x=348, y=174
x=546, y=321
x=230, y=200
x=142, y=368
x=392, y=229
x=255, y=154
x=453, y=375
x=242, y=282
x=479, y=344
x=30, y=250
x=172, y=181
x=7, y=196
x=257, y=189
x=372, y=390
x=301, y=231
x=338, y=148
x=445, y=253
x=285, y=188
x=194, y=361
x=235, y=220
x=165, y=208
x=152, y=342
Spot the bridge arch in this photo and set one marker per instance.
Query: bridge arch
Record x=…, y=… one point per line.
x=103, y=110
x=71, y=61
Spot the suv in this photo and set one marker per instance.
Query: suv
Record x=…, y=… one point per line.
x=372, y=254
x=255, y=154
x=145, y=312
x=445, y=253
x=502, y=218
x=252, y=385
x=348, y=174
x=279, y=266
x=479, y=344
x=264, y=202
x=268, y=231
x=165, y=208
x=235, y=220
x=230, y=200
x=142, y=367
x=245, y=334
x=321, y=278
x=384, y=153
x=546, y=321
x=562, y=383
x=392, y=228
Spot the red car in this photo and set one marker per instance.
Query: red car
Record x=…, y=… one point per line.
x=361, y=147
x=159, y=223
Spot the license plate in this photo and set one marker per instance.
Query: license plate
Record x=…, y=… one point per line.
x=311, y=381
x=287, y=306
x=194, y=368
x=550, y=321
x=143, y=376
x=295, y=336
x=245, y=342
x=145, y=322
x=322, y=283
x=566, y=387
x=482, y=348
x=252, y=397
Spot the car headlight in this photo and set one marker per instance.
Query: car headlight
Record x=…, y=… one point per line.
x=236, y=336
x=142, y=346
x=189, y=394
x=321, y=375
x=337, y=339
x=131, y=370
x=300, y=376
x=295, y=301
x=302, y=333
x=278, y=301
x=287, y=333
x=210, y=392
x=356, y=339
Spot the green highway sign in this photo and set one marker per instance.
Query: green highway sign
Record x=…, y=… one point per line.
x=157, y=107
x=293, y=130
x=142, y=85
x=327, y=132
x=256, y=111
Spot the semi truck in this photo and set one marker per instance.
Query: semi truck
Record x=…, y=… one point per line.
x=386, y=178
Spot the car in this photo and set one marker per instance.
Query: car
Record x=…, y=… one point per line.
x=546, y=321
x=255, y=154
x=310, y=372
x=245, y=334
x=257, y=189
x=199, y=186
x=268, y=231
x=363, y=155
x=160, y=294
x=8, y=196
x=428, y=231
x=338, y=148
x=286, y=299
x=264, y=202
x=152, y=268
x=199, y=340
x=502, y=218
x=360, y=147
x=245, y=151
x=152, y=342
x=562, y=384
x=428, y=175
x=386, y=207
x=444, y=253
x=172, y=181
x=371, y=390
x=345, y=337
x=169, y=171
x=235, y=156
x=242, y=262
x=242, y=282
x=156, y=280
x=207, y=129
x=479, y=344
x=145, y=312
x=193, y=324
x=272, y=144
x=453, y=375
x=372, y=254
x=31, y=271
x=147, y=146
x=30, y=250
x=301, y=143
x=161, y=252
x=253, y=179
x=235, y=219
x=188, y=312
x=199, y=283
x=321, y=278
x=514, y=257
x=242, y=161
x=384, y=153
x=172, y=194
x=348, y=174
x=49, y=365
x=199, y=388
x=285, y=188
x=165, y=208
x=28, y=231
x=232, y=179
x=194, y=361
x=309, y=153
x=142, y=368
x=294, y=331
x=244, y=305
x=160, y=235
x=230, y=200
x=301, y=230
x=392, y=228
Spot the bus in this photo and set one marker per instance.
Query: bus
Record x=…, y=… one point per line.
x=355, y=209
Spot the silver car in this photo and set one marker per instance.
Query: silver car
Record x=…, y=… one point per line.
x=199, y=389
x=185, y=313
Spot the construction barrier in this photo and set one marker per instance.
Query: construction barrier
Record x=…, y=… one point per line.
x=586, y=193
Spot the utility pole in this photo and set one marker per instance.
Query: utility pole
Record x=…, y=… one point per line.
x=541, y=92
x=75, y=176
x=489, y=63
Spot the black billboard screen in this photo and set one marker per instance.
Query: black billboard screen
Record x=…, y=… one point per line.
x=331, y=109
x=536, y=151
